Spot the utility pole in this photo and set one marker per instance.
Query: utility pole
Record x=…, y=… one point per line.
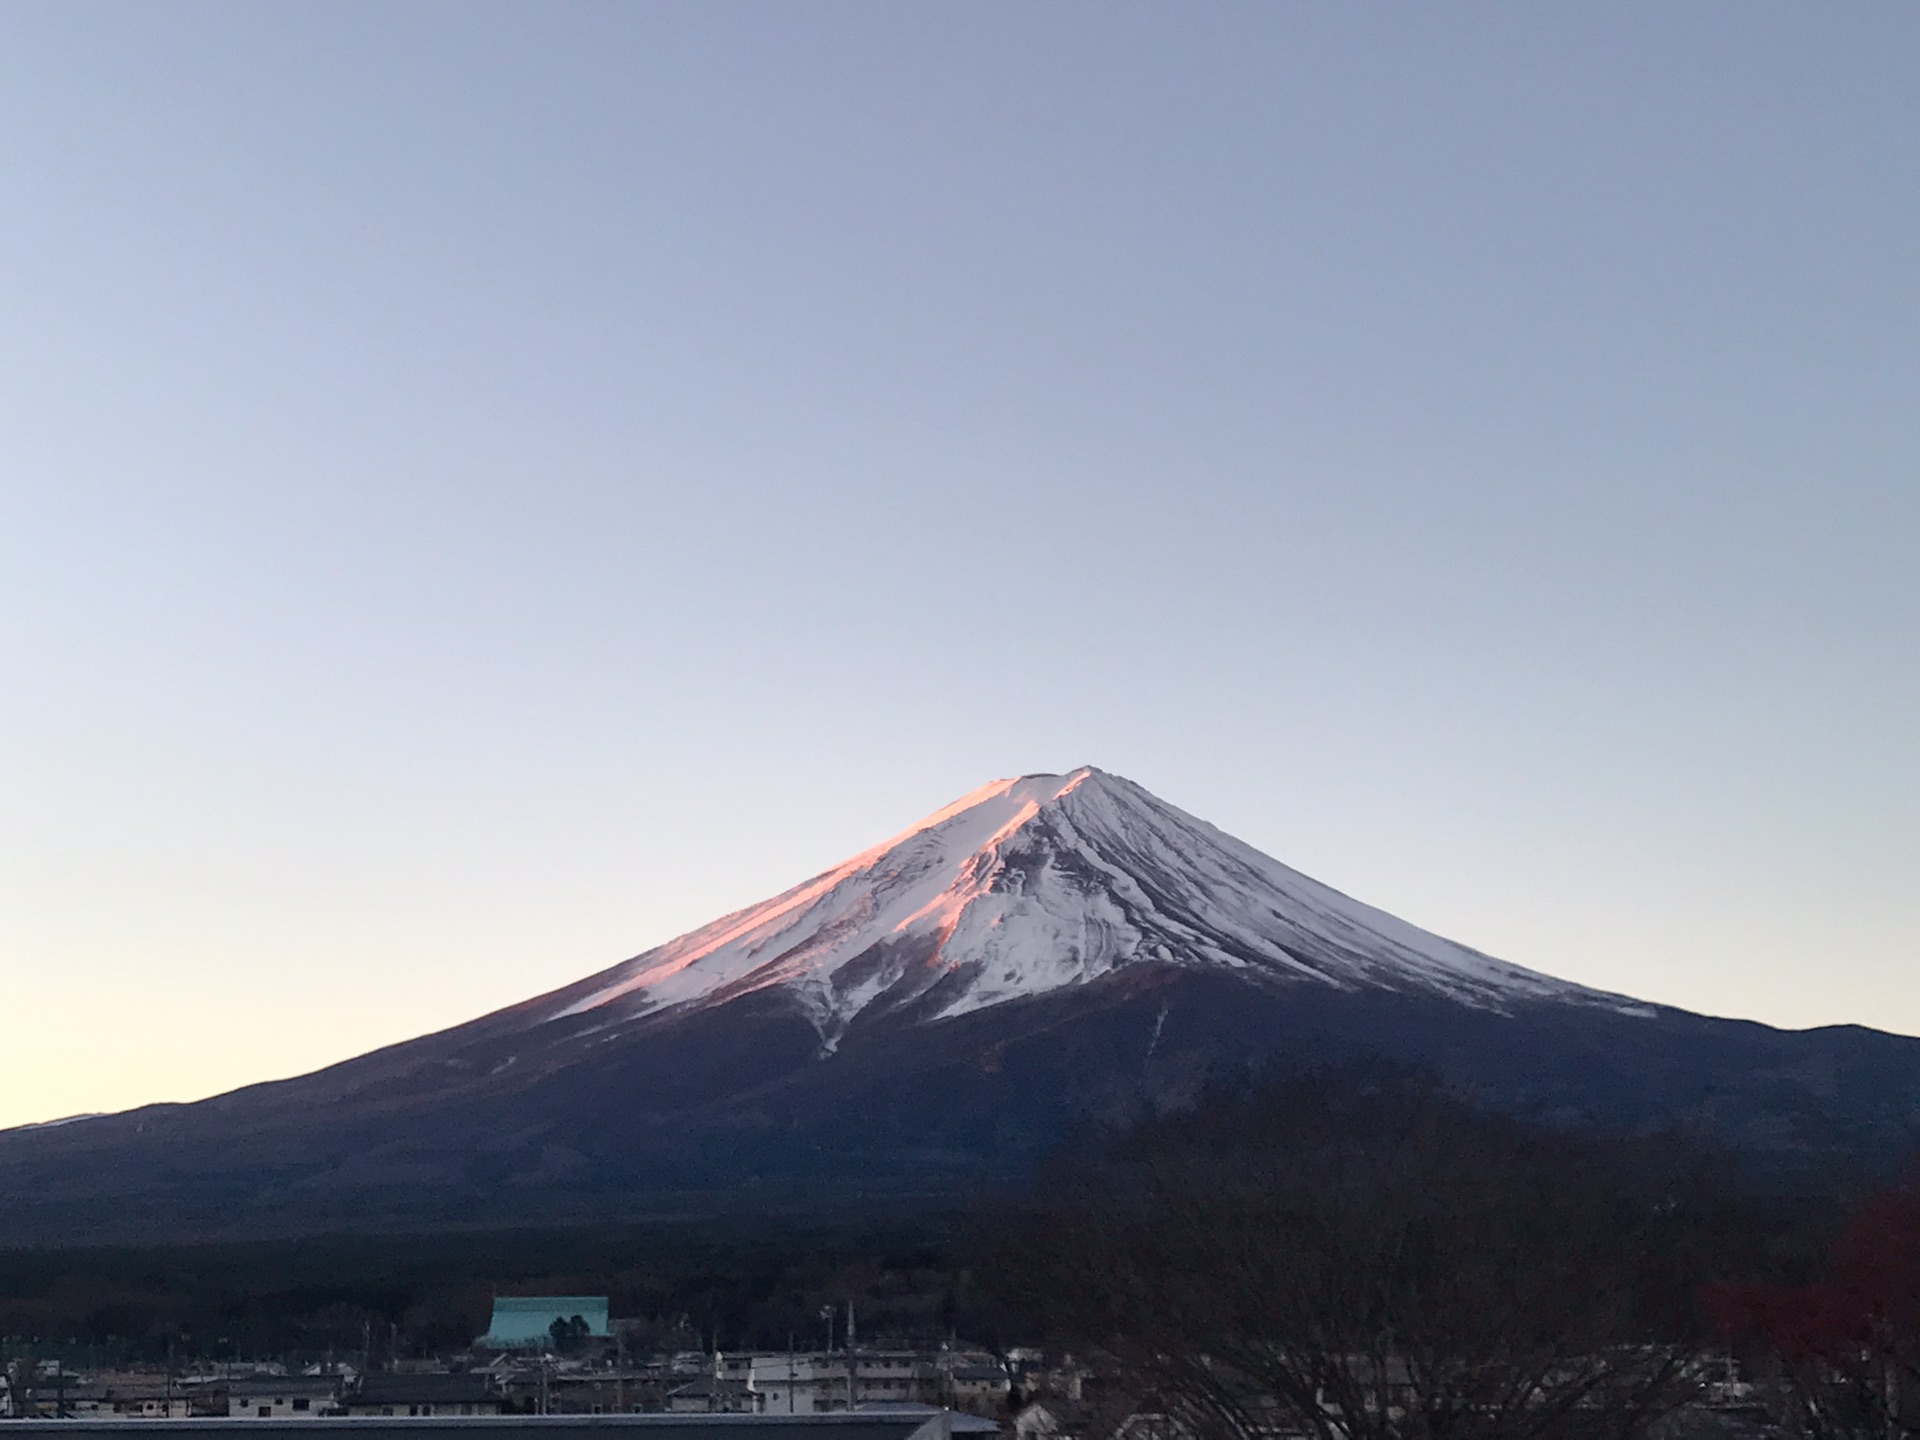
x=851, y=1352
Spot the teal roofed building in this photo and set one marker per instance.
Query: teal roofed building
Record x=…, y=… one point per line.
x=523, y=1322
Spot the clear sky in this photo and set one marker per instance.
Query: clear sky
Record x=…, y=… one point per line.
x=485, y=488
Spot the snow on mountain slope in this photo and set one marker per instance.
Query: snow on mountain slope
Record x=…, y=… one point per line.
x=1032, y=884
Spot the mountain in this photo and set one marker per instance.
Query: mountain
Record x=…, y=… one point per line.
x=1032, y=885
x=930, y=1016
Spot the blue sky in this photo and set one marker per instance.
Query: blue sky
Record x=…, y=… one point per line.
x=485, y=488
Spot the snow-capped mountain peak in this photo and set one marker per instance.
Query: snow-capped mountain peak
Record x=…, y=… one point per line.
x=1032, y=884
x=1045, y=952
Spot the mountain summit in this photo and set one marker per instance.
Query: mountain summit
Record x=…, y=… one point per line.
x=933, y=1014
x=1030, y=885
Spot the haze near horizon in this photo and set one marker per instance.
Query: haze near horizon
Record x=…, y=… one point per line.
x=485, y=489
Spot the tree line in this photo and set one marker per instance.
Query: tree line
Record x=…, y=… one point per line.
x=685, y=1286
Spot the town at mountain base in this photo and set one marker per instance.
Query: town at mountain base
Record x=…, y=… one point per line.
x=928, y=1019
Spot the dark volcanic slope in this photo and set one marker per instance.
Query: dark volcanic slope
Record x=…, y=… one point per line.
x=930, y=1017
x=736, y=1106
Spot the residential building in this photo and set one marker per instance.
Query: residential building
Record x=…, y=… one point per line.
x=712, y=1395
x=283, y=1397
x=385, y=1392
x=979, y=1387
x=111, y=1395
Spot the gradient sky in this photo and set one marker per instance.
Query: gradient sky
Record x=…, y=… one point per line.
x=485, y=488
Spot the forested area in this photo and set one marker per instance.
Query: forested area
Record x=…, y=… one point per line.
x=1359, y=1254
x=731, y=1284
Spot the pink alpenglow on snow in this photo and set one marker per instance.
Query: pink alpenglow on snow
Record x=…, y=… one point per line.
x=1030, y=885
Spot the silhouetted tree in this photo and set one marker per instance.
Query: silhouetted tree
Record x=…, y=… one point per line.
x=569, y=1334
x=1848, y=1345
x=1363, y=1257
